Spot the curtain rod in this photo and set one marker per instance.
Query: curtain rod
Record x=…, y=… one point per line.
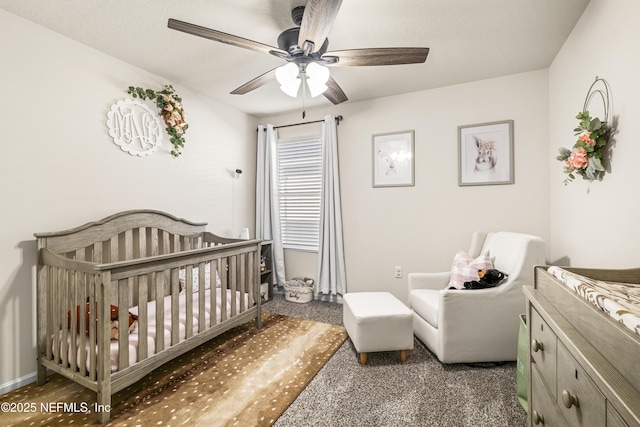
x=338, y=119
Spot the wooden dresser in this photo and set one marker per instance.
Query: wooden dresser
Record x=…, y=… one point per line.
x=584, y=368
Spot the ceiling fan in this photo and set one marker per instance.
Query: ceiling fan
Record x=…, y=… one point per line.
x=304, y=47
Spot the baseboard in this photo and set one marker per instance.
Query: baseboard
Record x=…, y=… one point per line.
x=17, y=383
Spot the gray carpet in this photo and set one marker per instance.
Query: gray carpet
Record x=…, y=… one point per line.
x=421, y=392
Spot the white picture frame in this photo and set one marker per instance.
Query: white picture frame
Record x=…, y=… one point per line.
x=485, y=153
x=393, y=159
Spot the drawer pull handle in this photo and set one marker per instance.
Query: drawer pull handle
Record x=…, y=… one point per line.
x=568, y=400
x=537, y=417
x=536, y=346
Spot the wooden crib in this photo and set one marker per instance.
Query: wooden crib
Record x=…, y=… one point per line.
x=145, y=262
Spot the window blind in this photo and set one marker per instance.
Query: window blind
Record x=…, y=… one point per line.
x=299, y=165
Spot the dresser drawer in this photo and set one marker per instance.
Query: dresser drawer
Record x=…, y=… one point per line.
x=578, y=397
x=542, y=407
x=543, y=350
x=613, y=418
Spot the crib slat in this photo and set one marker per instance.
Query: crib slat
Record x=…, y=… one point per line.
x=167, y=248
x=113, y=249
x=152, y=241
x=97, y=252
x=213, y=319
x=188, y=285
x=201, y=293
x=93, y=361
x=224, y=274
x=128, y=244
x=64, y=307
x=241, y=280
x=232, y=283
x=160, y=285
x=153, y=249
x=51, y=276
x=82, y=332
x=251, y=277
x=73, y=300
x=103, y=351
x=174, y=243
x=166, y=242
x=175, y=307
x=142, y=318
x=56, y=307
x=123, y=322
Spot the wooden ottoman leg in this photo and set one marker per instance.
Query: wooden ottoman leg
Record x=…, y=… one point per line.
x=403, y=356
x=363, y=358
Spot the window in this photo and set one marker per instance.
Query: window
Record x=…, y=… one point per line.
x=299, y=165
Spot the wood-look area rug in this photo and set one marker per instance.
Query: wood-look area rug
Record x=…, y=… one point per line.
x=245, y=377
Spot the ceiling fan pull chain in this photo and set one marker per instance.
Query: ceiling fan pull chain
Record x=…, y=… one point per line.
x=304, y=92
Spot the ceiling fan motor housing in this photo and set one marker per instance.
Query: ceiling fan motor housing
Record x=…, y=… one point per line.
x=288, y=40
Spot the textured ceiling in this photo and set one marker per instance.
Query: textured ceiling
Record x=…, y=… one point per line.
x=468, y=39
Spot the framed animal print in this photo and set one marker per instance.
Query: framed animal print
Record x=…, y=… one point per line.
x=485, y=153
x=393, y=163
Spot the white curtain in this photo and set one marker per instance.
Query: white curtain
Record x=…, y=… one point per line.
x=267, y=205
x=331, y=267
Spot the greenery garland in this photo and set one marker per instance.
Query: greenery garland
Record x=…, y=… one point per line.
x=586, y=157
x=170, y=108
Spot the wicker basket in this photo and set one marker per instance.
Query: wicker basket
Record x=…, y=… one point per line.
x=299, y=289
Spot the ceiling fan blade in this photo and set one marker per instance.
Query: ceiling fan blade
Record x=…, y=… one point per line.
x=261, y=80
x=318, y=18
x=379, y=56
x=221, y=37
x=334, y=93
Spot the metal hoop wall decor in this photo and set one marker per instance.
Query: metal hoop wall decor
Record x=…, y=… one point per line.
x=599, y=87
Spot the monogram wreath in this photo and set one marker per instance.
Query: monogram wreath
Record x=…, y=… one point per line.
x=170, y=108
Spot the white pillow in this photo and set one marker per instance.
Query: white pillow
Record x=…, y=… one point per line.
x=465, y=269
x=195, y=275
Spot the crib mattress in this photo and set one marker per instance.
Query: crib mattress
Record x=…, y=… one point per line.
x=620, y=301
x=152, y=327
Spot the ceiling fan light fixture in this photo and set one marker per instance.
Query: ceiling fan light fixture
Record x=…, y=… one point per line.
x=316, y=89
x=317, y=78
x=287, y=73
x=318, y=74
x=287, y=76
x=292, y=88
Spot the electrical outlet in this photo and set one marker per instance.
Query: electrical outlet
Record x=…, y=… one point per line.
x=398, y=272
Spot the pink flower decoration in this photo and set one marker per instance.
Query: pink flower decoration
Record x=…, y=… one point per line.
x=578, y=159
x=585, y=137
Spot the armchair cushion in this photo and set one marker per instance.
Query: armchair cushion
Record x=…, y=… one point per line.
x=425, y=303
x=465, y=269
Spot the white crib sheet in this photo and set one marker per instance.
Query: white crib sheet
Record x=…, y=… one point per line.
x=152, y=328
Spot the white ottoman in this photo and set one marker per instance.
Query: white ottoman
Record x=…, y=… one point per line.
x=377, y=321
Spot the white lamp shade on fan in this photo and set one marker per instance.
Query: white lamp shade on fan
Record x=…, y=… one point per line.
x=287, y=76
x=318, y=76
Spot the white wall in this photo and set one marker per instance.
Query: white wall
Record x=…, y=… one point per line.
x=59, y=168
x=420, y=228
x=596, y=224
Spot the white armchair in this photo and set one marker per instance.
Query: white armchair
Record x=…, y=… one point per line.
x=481, y=325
